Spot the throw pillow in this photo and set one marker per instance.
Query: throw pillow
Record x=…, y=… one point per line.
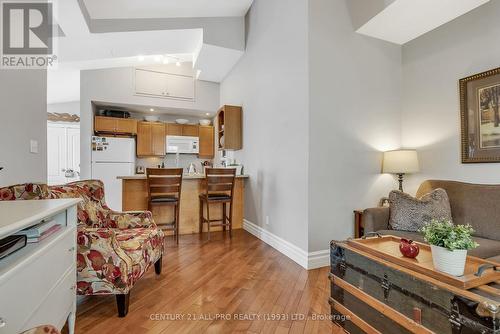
x=408, y=213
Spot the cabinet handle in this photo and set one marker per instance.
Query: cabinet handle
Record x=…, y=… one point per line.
x=2, y=323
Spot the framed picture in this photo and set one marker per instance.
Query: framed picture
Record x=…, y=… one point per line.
x=480, y=117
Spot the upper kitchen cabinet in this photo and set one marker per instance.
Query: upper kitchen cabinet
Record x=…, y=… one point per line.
x=229, y=127
x=174, y=129
x=166, y=85
x=113, y=125
x=190, y=130
x=150, y=139
x=207, y=145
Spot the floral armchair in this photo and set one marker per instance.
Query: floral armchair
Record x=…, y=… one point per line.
x=115, y=249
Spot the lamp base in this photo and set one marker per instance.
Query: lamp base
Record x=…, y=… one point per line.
x=400, y=180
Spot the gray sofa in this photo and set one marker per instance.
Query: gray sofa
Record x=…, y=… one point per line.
x=474, y=204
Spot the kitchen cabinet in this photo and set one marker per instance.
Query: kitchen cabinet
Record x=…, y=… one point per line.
x=229, y=128
x=174, y=129
x=113, y=125
x=207, y=145
x=150, y=139
x=166, y=85
x=189, y=130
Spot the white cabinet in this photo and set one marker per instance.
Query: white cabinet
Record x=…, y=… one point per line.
x=38, y=282
x=63, y=153
x=160, y=84
x=180, y=86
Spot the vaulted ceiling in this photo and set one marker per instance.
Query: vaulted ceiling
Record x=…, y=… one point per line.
x=133, y=9
x=113, y=33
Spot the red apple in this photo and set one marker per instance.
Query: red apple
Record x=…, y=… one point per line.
x=408, y=248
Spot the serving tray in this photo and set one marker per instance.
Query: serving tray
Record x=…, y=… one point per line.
x=477, y=271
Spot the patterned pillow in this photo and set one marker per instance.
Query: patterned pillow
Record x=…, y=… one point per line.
x=408, y=213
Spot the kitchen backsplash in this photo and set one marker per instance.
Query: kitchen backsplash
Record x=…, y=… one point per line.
x=184, y=161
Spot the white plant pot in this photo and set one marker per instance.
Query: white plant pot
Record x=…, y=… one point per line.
x=450, y=262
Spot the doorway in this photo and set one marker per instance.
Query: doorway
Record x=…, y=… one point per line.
x=63, y=152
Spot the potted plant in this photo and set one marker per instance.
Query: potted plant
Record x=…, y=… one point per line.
x=449, y=245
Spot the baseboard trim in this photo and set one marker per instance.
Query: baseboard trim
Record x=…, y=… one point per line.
x=307, y=260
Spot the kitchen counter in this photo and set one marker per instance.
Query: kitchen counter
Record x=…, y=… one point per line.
x=184, y=177
x=135, y=198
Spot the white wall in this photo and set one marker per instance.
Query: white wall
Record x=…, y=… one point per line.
x=432, y=66
x=72, y=108
x=271, y=83
x=117, y=85
x=354, y=115
x=23, y=94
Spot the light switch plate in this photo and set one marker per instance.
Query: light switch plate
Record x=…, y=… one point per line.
x=33, y=146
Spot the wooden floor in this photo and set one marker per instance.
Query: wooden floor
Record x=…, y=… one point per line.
x=222, y=278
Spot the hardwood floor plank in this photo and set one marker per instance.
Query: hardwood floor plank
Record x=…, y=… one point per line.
x=223, y=286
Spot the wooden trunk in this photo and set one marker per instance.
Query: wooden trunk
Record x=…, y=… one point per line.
x=382, y=297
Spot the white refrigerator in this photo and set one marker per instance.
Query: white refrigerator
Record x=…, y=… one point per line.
x=112, y=157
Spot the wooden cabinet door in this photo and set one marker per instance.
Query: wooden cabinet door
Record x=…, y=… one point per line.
x=190, y=130
x=158, y=139
x=144, y=139
x=174, y=129
x=126, y=126
x=206, y=142
x=104, y=124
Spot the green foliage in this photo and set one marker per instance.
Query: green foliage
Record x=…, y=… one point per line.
x=445, y=234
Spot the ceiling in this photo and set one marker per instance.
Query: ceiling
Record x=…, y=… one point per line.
x=404, y=20
x=211, y=43
x=130, y=9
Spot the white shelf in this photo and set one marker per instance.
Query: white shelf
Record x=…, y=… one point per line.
x=17, y=215
x=31, y=252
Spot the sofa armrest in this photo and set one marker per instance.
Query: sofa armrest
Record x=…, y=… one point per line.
x=131, y=219
x=103, y=266
x=375, y=219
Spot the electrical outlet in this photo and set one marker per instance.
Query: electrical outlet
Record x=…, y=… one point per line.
x=33, y=146
x=267, y=220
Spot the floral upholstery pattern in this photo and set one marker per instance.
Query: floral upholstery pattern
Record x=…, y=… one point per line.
x=45, y=329
x=115, y=249
x=28, y=191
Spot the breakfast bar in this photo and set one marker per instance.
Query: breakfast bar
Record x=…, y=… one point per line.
x=135, y=198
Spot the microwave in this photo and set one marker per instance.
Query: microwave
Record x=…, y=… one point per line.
x=183, y=144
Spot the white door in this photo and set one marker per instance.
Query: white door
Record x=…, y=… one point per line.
x=63, y=153
x=73, y=154
x=56, y=154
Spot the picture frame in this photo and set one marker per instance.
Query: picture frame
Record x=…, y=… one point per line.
x=480, y=117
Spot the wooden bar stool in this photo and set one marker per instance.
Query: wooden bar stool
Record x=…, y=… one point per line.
x=164, y=188
x=219, y=188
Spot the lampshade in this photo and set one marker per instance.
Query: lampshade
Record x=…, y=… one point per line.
x=400, y=162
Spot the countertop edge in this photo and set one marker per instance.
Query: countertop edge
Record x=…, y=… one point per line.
x=185, y=177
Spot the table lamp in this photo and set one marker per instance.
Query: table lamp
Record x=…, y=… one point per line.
x=400, y=162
